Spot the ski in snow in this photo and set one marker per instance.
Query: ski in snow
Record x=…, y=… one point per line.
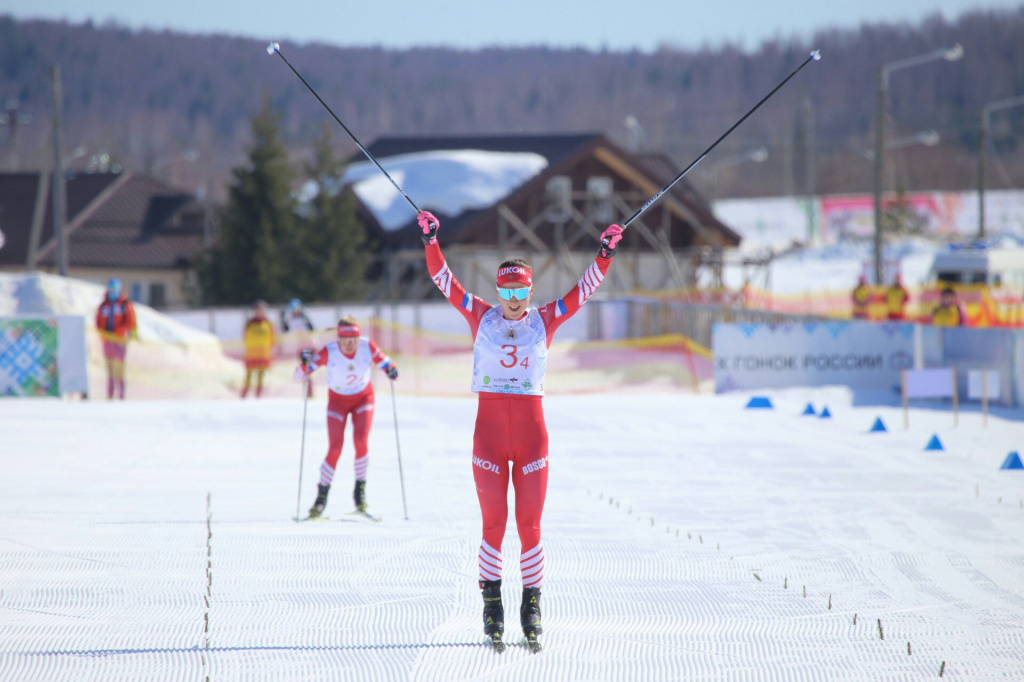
x=311, y=518
x=365, y=515
x=495, y=641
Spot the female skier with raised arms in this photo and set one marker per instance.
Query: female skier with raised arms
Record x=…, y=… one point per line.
x=510, y=347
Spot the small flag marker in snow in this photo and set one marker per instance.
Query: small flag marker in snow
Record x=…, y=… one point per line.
x=760, y=402
x=825, y=414
x=808, y=411
x=1012, y=461
x=878, y=426
x=934, y=443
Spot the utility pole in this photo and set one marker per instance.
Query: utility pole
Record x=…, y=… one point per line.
x=807, y=108
x=58, y=190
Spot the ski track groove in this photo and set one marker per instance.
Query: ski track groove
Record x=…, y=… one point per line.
x=105, y=584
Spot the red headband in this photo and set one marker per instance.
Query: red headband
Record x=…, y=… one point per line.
x=349, y=330
x=515, y=274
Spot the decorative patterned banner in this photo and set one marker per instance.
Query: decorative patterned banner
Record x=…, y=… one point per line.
x=28, y=358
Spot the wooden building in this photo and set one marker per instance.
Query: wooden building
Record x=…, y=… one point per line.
x=126, y=225
x=553, y=218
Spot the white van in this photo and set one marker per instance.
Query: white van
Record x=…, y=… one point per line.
x=979, y=265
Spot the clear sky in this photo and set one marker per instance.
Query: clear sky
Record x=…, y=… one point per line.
x=595, y=24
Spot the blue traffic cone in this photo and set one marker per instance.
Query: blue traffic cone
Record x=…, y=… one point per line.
x=934, y=443
x=878, y=426
x=825, y=414
x=1012, y=461
x=760, y=402
x=809, y=411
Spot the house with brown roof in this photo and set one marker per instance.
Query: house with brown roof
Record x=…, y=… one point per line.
x=126, y=225
x=543, y=197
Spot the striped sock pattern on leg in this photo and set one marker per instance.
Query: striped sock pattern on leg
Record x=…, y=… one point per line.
x=490, y=562
x=360, y=466
x=326, y=474
x=531, y=563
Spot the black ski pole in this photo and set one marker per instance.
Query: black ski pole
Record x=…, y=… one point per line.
x=398, y=446
x=814, y=56
x=302, y=449
x=275, y=48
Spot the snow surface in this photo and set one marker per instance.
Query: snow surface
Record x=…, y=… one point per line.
x=447, y=181
x=687, y=538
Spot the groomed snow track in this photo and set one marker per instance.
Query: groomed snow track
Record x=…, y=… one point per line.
x=686, y=538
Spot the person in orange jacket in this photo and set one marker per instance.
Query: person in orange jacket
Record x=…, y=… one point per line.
x=259, y=347
x=115, y=321
x=896, y=297
x=861, y=299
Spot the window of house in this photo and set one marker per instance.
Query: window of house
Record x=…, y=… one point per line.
x=158, y=295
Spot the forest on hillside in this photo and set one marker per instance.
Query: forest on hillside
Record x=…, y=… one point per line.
x=151, y=100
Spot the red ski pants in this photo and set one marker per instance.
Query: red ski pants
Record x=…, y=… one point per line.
x=339, y=407
x=510, y=439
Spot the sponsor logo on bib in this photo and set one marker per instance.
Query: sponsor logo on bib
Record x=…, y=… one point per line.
x=487, y=380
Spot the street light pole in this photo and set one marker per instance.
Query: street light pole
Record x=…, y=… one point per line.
x=983, y=122
x=757, y=155
x=58, y=189
x=949, y=54
x=879, y=147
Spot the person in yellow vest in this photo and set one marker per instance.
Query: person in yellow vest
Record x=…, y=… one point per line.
x=949, y=312
x=861, y=299
x=896, y=297
x=259, y=346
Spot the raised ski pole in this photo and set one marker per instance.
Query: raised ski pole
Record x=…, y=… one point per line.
x=398, y=447
x=275, y=48
x=302, y=449
x=814, y=56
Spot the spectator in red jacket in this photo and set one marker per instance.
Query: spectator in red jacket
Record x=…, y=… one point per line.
x=115, y=321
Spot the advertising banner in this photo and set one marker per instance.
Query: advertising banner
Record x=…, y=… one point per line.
x=28, y=358
x=855, y=354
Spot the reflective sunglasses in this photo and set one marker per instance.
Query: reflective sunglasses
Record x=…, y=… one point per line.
x=517, y=294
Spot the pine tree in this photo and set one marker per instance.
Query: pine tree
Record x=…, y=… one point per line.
x=258, y=226
x=331, y=255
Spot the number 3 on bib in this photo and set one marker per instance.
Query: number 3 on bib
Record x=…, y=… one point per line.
x=513, y=359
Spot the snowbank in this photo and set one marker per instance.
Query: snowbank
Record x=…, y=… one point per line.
x=168, y=358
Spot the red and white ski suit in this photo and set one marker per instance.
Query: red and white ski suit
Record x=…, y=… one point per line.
x=350, y=393
x=511, y=438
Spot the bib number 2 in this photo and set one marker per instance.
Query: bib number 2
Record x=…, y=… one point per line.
x=512, y=359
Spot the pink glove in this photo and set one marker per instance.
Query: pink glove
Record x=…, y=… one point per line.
x=429, y=224
x=300, y=373
x=609, y=238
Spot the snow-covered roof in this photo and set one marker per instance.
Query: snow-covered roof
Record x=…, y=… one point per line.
x=446, y=181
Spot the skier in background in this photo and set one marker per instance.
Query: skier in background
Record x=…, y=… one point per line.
x=295, y=320
x=349, y=361
x=115, y=321
x=259, y=347
x=510, y=347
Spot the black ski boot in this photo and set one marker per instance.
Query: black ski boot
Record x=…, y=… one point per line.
x=359, y=496
x=494, y=613
x=529, y=617
x=321, y=501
